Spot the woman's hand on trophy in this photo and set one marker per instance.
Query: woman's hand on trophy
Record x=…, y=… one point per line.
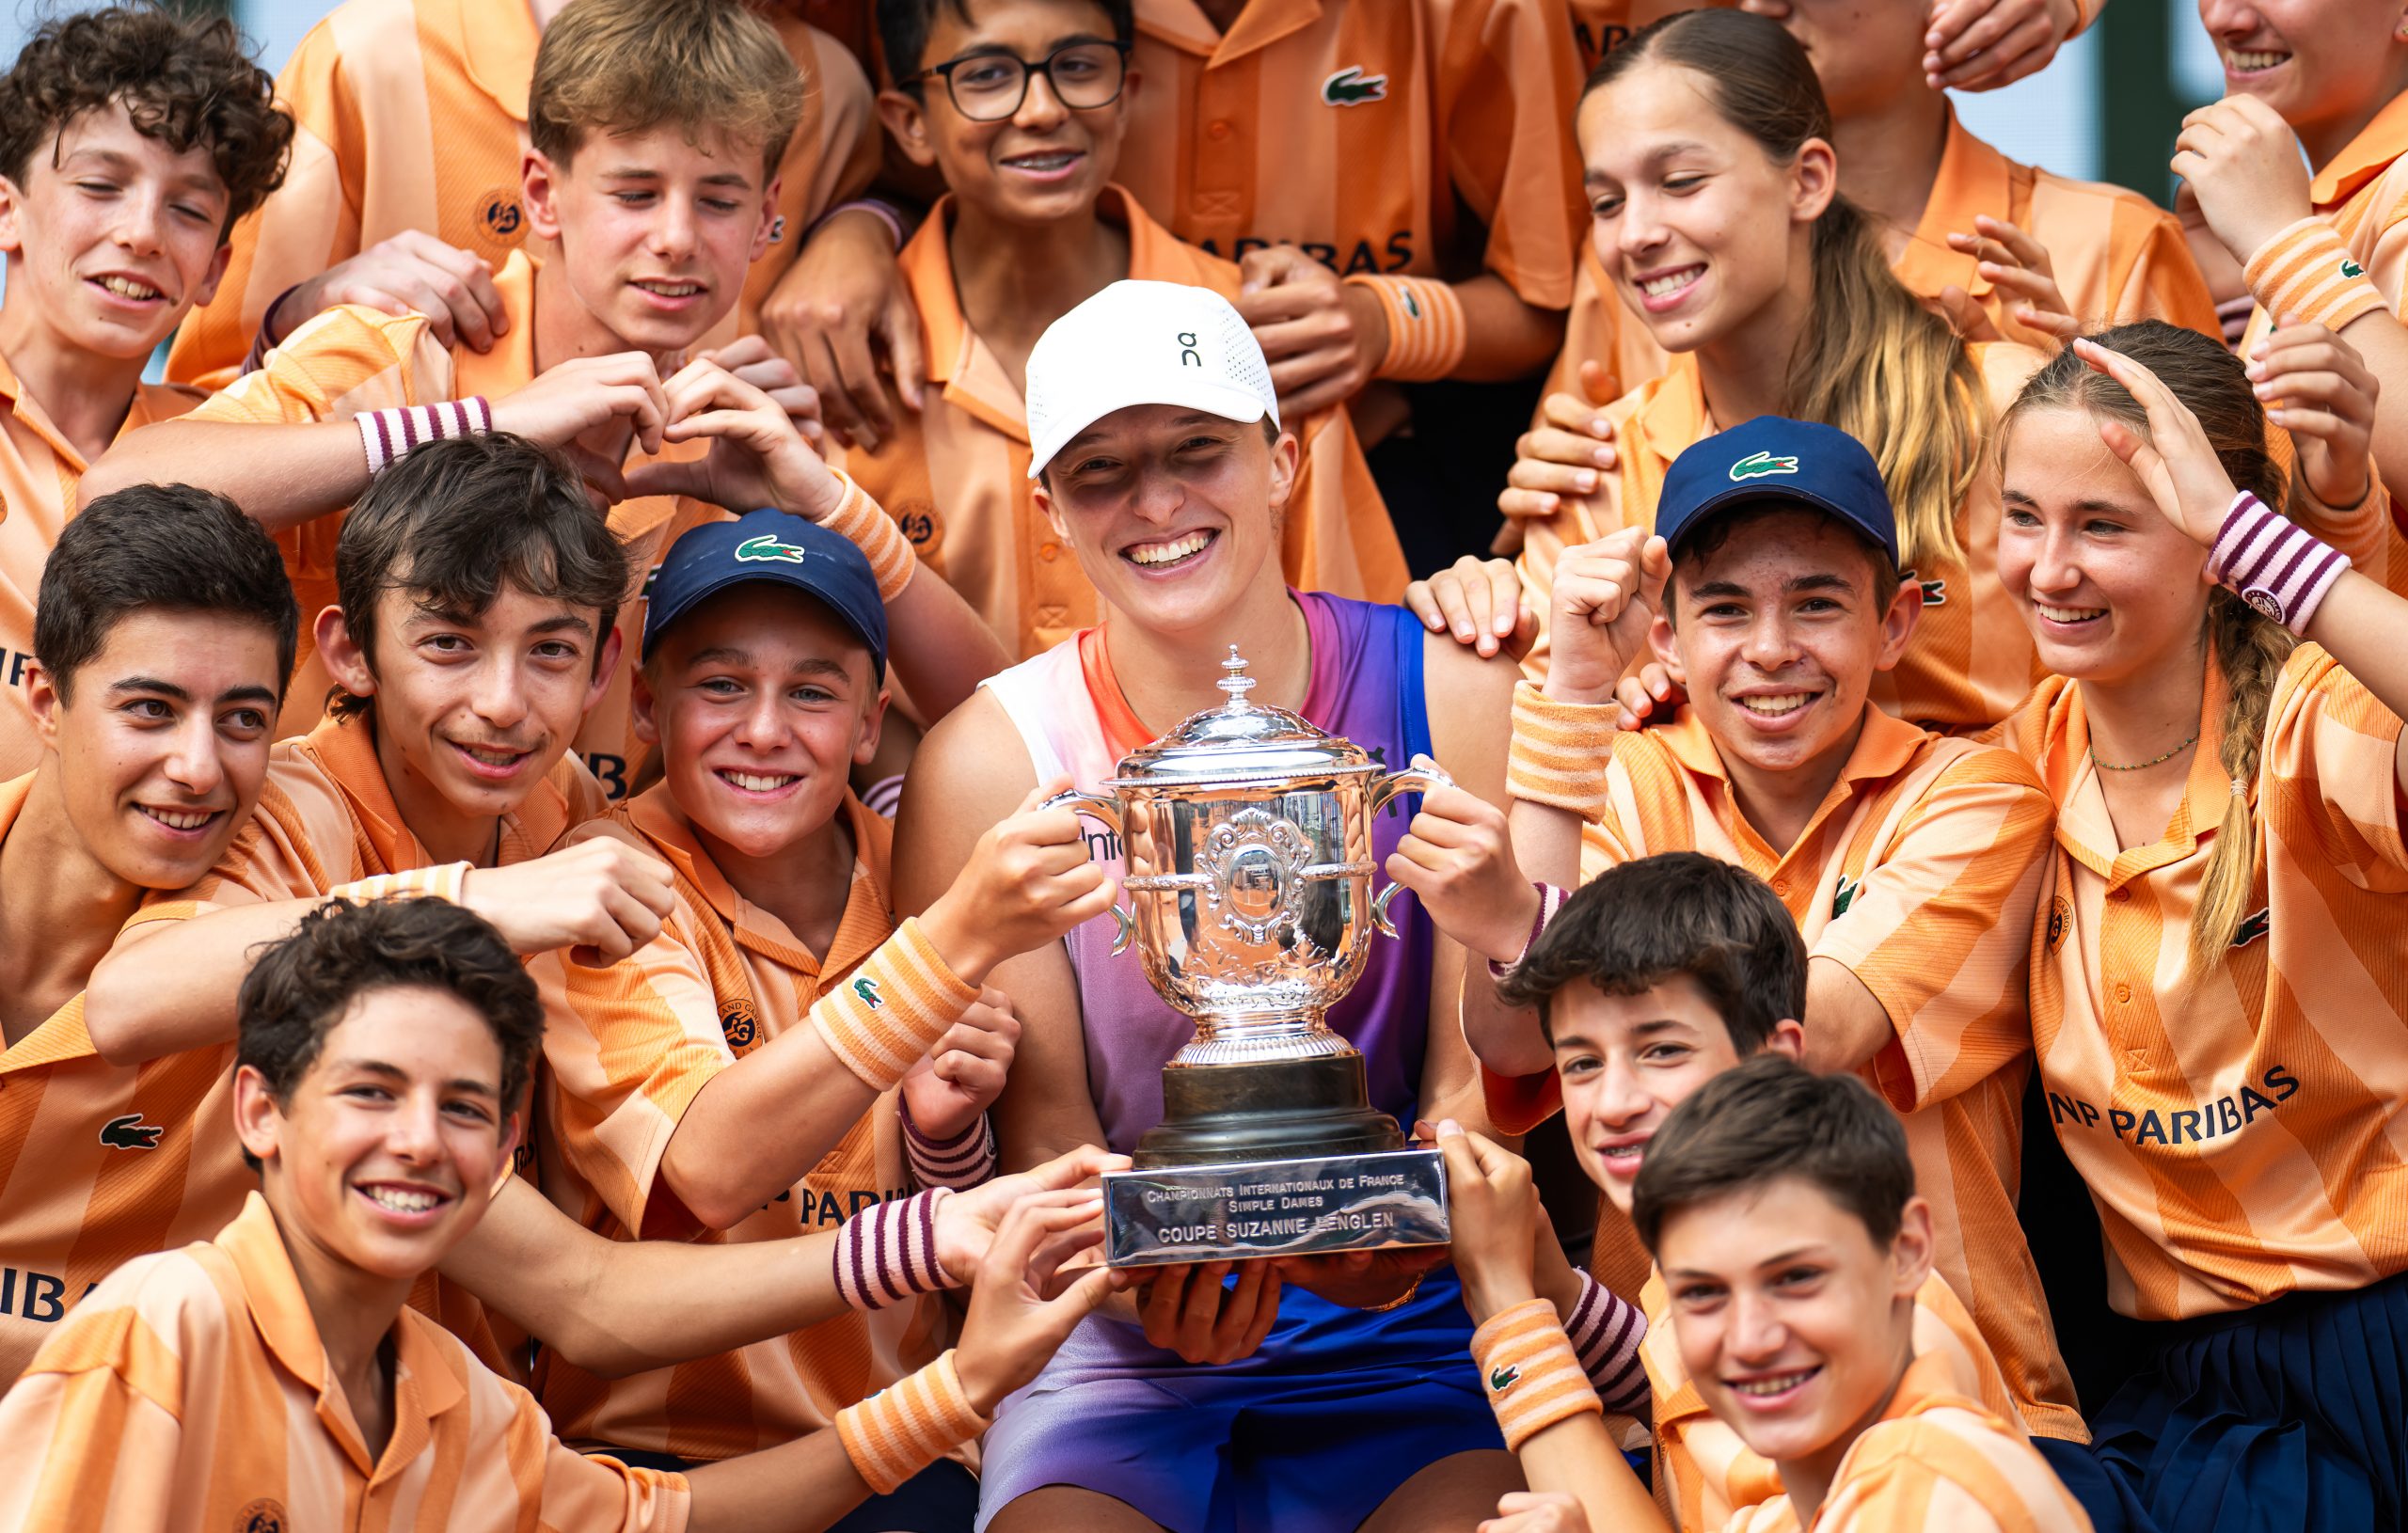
x=962, y=1075
x=1458, y=857
x=1496, y=1215
x=1186, y=1310
x=1363, y=1279
x=1537, y=1511
x=967, y=1221
x=1029, y=880
x=1017, y=1320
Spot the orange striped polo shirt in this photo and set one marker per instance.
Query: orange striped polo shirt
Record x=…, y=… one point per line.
x=1418, y=137
x=351, y=360
x=1972, y=659
x=1935, y=1459
x=413, y=114
x=100, y=1162
x=1704, y=1474
x=2246, y=1136
x=626, y=1047
x=192, y=1392
x=39, y=471
x=2117, y=258
x=1921, y=872
x=956, y=474
x=327, y=817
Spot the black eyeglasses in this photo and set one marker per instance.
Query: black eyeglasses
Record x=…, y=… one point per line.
x=988, y=88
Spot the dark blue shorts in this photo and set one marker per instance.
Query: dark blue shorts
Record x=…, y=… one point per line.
x=942, y=1499
x=2291, y=1416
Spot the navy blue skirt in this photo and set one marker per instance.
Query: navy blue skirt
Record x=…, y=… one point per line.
x=2291, y=1416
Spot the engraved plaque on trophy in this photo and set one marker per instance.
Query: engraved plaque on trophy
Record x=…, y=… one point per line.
x=1247, y=838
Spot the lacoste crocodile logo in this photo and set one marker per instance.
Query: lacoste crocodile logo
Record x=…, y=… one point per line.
x=1503, y=1379
x=130, y=1133
x=1351, y=86
x=767, y=549
x=867, y=991
x=1760, y=465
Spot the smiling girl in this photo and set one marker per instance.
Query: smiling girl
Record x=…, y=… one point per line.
x=2217, y=993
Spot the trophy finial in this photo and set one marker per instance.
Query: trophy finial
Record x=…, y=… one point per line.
x=1236, y=682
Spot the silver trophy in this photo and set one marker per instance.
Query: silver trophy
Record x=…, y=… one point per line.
x=1246, y=834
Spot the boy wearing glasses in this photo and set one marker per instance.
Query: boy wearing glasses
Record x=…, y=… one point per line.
x=1021, y=105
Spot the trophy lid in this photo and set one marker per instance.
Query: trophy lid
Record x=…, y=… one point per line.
x=1239, y=741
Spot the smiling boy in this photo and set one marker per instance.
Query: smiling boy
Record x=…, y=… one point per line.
x=130, y=141
x=273, y=1378
x=1909, y=861
x=782, y=1054
x=166, y=631
x=1022, y=105
x=654, y=132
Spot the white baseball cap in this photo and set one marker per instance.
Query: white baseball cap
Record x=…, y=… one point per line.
x=1142, y=343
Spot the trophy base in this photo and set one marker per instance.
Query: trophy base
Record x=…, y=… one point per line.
x=1276, y=1110
x=1306, y=1207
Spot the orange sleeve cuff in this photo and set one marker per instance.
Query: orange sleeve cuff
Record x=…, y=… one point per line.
x=1560, y=751
x=904, y=1427
x=1532, y=1376
x=882, y=1018
x=2307, y=270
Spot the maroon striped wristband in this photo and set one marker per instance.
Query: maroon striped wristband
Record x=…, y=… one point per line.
x=960, y=1162
x=2272, y=564
x=391, y=434
x=1605, y=1330
x=1550, y=900
x=887, y=1253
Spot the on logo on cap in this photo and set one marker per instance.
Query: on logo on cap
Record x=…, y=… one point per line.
x=1188, y=356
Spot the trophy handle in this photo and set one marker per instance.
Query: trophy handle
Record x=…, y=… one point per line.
x=1095, y=806
x=1421, y=776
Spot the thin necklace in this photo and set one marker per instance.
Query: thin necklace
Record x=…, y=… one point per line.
x=2135, y=766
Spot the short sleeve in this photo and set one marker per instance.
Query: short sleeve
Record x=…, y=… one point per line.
x=1938, y=928
x=2329, y=783
x=275, y=857
x=1508, y=78
x=342, y=363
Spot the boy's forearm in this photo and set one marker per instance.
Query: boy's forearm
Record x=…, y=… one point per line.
x=617, y=1308
x=1505, y=337
x=940, y=648
x=170, y=985
x=796, y=1487
x=280, y=475
x=1506, y=1040
x=1578, y=1456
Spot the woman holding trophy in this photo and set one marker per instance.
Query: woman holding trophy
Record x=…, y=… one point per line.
x=1323, y=1391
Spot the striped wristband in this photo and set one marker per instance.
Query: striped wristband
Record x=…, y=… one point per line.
x=907, y=1425
x=2308, y=271
x=1427, y=332
x=1605, y=1331
x=887, y=1253
x=444, y=881
x=1550, y=900
x=1532, y=1374
x=391, y=435
x=880, y=1019
x=960, y=1162
x=872, y=531
x=2273, y=564
x=1558, y=753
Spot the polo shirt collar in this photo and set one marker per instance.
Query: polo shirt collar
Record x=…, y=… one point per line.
x=865, y=923
x=499, y=53
x=2367, y=156
x=1885, y=746
x=2084, y=828
x=346, y=753
x=1672, y=417
x=152, y=403
x=1183, y=25
x=511, y=365
x=426, y=1385
x=1975, y=181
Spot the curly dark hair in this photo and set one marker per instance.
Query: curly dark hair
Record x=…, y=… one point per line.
x=189, y=83
x=299, y=987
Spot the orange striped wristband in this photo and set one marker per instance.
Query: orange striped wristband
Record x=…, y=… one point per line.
x=907, y=1425
x=883, y=1016
x=2307, y=270
x=1532, y=1375
x=1427, y=332
x=1560, y=751
x=444, y=881
x=874, y=532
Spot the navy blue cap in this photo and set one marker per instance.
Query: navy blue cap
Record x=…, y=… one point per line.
x=1774, y=458
x=769, y=545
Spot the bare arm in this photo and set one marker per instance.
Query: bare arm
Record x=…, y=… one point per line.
x=170, y=985
x=2365, y=629
x=280, y=475
x=1845, y=1023
x=1470, y=706
x=1508, y=337
x=939, y=647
